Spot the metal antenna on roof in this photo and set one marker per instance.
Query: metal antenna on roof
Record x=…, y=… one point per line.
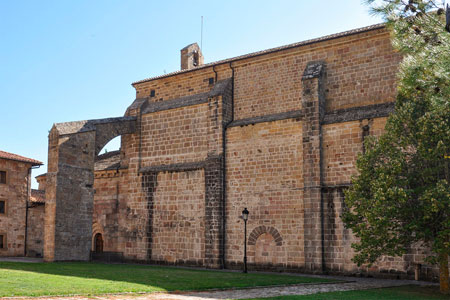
x=201, y=35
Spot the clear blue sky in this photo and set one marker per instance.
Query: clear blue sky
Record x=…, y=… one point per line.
x=64, y=61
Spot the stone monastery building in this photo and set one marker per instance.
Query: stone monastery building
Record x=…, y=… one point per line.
x=21, y=208
x=276, y=131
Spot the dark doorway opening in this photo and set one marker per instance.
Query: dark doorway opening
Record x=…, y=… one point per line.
x=98, y=242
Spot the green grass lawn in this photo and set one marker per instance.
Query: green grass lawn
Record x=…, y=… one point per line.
x=394, y=293
x=37, y=279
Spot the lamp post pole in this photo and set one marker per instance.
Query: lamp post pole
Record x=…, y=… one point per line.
x=245, y=217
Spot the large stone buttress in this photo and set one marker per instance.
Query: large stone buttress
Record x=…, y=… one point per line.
x=313, y=107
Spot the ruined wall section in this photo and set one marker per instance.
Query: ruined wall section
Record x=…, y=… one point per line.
x=72, y=201
x=73, y=147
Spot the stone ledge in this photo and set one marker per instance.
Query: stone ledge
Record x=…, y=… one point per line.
x=177, y=167
x=294, y=114
x=359, y=113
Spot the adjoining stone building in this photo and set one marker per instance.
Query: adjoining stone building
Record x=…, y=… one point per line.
x=15, y=209
x=276, y=131
x=105, y=167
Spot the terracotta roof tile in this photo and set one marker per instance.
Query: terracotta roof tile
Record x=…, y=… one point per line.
x=12, y=156
x=37, y=196
x=107, y=161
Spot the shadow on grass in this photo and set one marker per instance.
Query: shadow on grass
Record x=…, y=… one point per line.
x=96, y=278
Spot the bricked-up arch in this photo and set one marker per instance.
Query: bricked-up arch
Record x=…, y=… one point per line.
x=254, y=235
x=72, y=149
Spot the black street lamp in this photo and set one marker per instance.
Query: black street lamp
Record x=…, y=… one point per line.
x=245, y=218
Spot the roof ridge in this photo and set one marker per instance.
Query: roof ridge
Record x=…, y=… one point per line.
x=270, y=50
x=16, y=157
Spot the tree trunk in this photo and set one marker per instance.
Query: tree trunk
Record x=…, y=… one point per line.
x=443, y=273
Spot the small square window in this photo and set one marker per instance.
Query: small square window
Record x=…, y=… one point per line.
x=211, y=80
x=152, y=93
x=2, y=207
x=3, y=177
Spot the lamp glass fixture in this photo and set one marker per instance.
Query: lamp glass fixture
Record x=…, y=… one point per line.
x=245, y=213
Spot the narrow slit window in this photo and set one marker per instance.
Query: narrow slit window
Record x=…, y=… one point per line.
x=2, y=241
x=196, y=58
x=365, y=134
x=2, y=207
x=3, y=177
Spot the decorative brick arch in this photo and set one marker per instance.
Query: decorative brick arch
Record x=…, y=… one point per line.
x=254, y=235
x=96, y=228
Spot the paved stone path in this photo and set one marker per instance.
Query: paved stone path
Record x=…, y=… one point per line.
x=300, y=289
x=22, y=259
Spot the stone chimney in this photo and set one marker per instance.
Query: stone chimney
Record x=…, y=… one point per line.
x=42, y=180
x=191, y=57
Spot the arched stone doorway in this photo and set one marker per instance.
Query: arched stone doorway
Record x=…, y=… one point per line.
x=98, y=243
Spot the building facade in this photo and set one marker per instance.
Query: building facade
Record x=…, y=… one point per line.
x=15, y=191
x=277, y=132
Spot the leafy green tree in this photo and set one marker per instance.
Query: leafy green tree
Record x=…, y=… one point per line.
x=401, y=196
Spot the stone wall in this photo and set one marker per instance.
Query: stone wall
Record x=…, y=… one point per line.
x=339, y=252
x=277, y=110
x=360, y=71
x=179, y=140
x=179, y=218
x=14, y=193
x=106, y=208
x=73, y=147
x=175, y=87
x=263, y=174
x=277, y=132
x=35, y=232
x=342, y=142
